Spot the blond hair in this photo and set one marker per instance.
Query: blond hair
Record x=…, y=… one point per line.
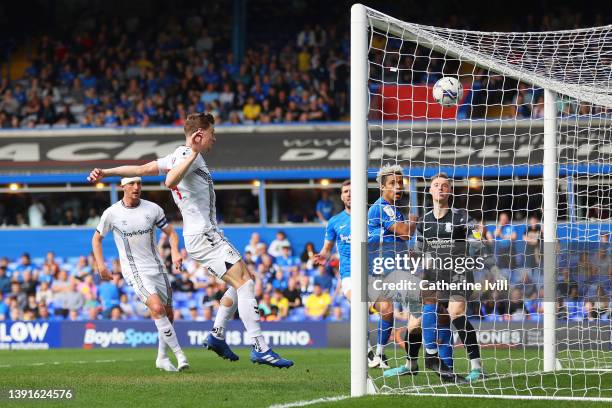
x=388, y=170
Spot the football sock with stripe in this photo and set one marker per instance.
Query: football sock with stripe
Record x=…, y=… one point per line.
x=166, y=331
x=225, y=313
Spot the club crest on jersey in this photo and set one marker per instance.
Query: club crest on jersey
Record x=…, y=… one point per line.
x=449, y=227
x=123, y=222
x=389, y=211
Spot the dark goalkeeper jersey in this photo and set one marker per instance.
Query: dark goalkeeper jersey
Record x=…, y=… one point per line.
x=447, y=236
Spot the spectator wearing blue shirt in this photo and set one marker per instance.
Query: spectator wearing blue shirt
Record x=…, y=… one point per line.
x=286, y=261
x=109, y=293
x=230, y=66
x=210, y=94
x=325, y=207
x=211, y=76
x=5, y=281
x=324, y=279
x=277, y=281
x=25, y=264
x=4, y=309
x=503, y=237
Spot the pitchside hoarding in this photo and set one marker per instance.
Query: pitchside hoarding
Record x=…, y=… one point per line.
x=141, y=334
x=19, y=335
x=130, y=334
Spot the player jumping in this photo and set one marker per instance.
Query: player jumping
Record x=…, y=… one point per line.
x=132, y=221
x=192, y=188
x=446, y=233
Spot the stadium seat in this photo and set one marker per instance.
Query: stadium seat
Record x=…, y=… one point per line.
x=296, y=315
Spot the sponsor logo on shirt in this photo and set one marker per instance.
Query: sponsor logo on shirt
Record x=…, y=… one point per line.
x=137, y=232
x=390, y=211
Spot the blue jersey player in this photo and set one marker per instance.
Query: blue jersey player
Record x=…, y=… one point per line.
x=338, y=231
x=386, y=224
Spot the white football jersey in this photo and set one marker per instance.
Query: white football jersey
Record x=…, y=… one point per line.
x=134, y=231
x=195, y=194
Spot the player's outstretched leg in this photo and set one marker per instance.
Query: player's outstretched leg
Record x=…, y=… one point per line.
x=216, y=338
x=239, y=277
x=166, y=334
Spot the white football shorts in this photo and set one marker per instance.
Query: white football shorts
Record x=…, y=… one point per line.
x=147, y=285
x=212, y=251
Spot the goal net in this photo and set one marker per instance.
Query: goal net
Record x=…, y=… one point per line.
x=528, y=152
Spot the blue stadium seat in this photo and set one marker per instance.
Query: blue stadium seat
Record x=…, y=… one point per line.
x=296, y=315
x=181, y=296
x=185, y=312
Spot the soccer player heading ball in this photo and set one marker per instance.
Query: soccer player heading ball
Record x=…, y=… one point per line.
x=192, y=188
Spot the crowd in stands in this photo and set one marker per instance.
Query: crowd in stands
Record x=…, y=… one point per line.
x=125, y=76
x=126, y=72
x=288, y=287
x=291, y=287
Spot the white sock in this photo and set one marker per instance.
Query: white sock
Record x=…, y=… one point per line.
x=225, y=313
x=166, y=331
x=476, y=364
x=412, y=363
x=380, y=349
x=161, y=347
x=249, y=314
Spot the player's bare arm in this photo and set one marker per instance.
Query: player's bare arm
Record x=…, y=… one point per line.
x=323, y=255
x=148, y=169
x=175, y=253
x=96, y=244
x=404, y=230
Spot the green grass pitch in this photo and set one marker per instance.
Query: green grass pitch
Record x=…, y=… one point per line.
x=128, y=378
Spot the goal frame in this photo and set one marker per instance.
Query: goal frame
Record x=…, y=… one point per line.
x=359, y=109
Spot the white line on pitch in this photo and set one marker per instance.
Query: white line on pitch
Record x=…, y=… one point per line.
x=65, y=362
x=311, y=402
x=518, y=397
x=506, y=397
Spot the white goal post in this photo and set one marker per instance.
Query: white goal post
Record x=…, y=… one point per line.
x=568, y=68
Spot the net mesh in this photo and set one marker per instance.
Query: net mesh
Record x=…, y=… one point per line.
x=491, y=145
